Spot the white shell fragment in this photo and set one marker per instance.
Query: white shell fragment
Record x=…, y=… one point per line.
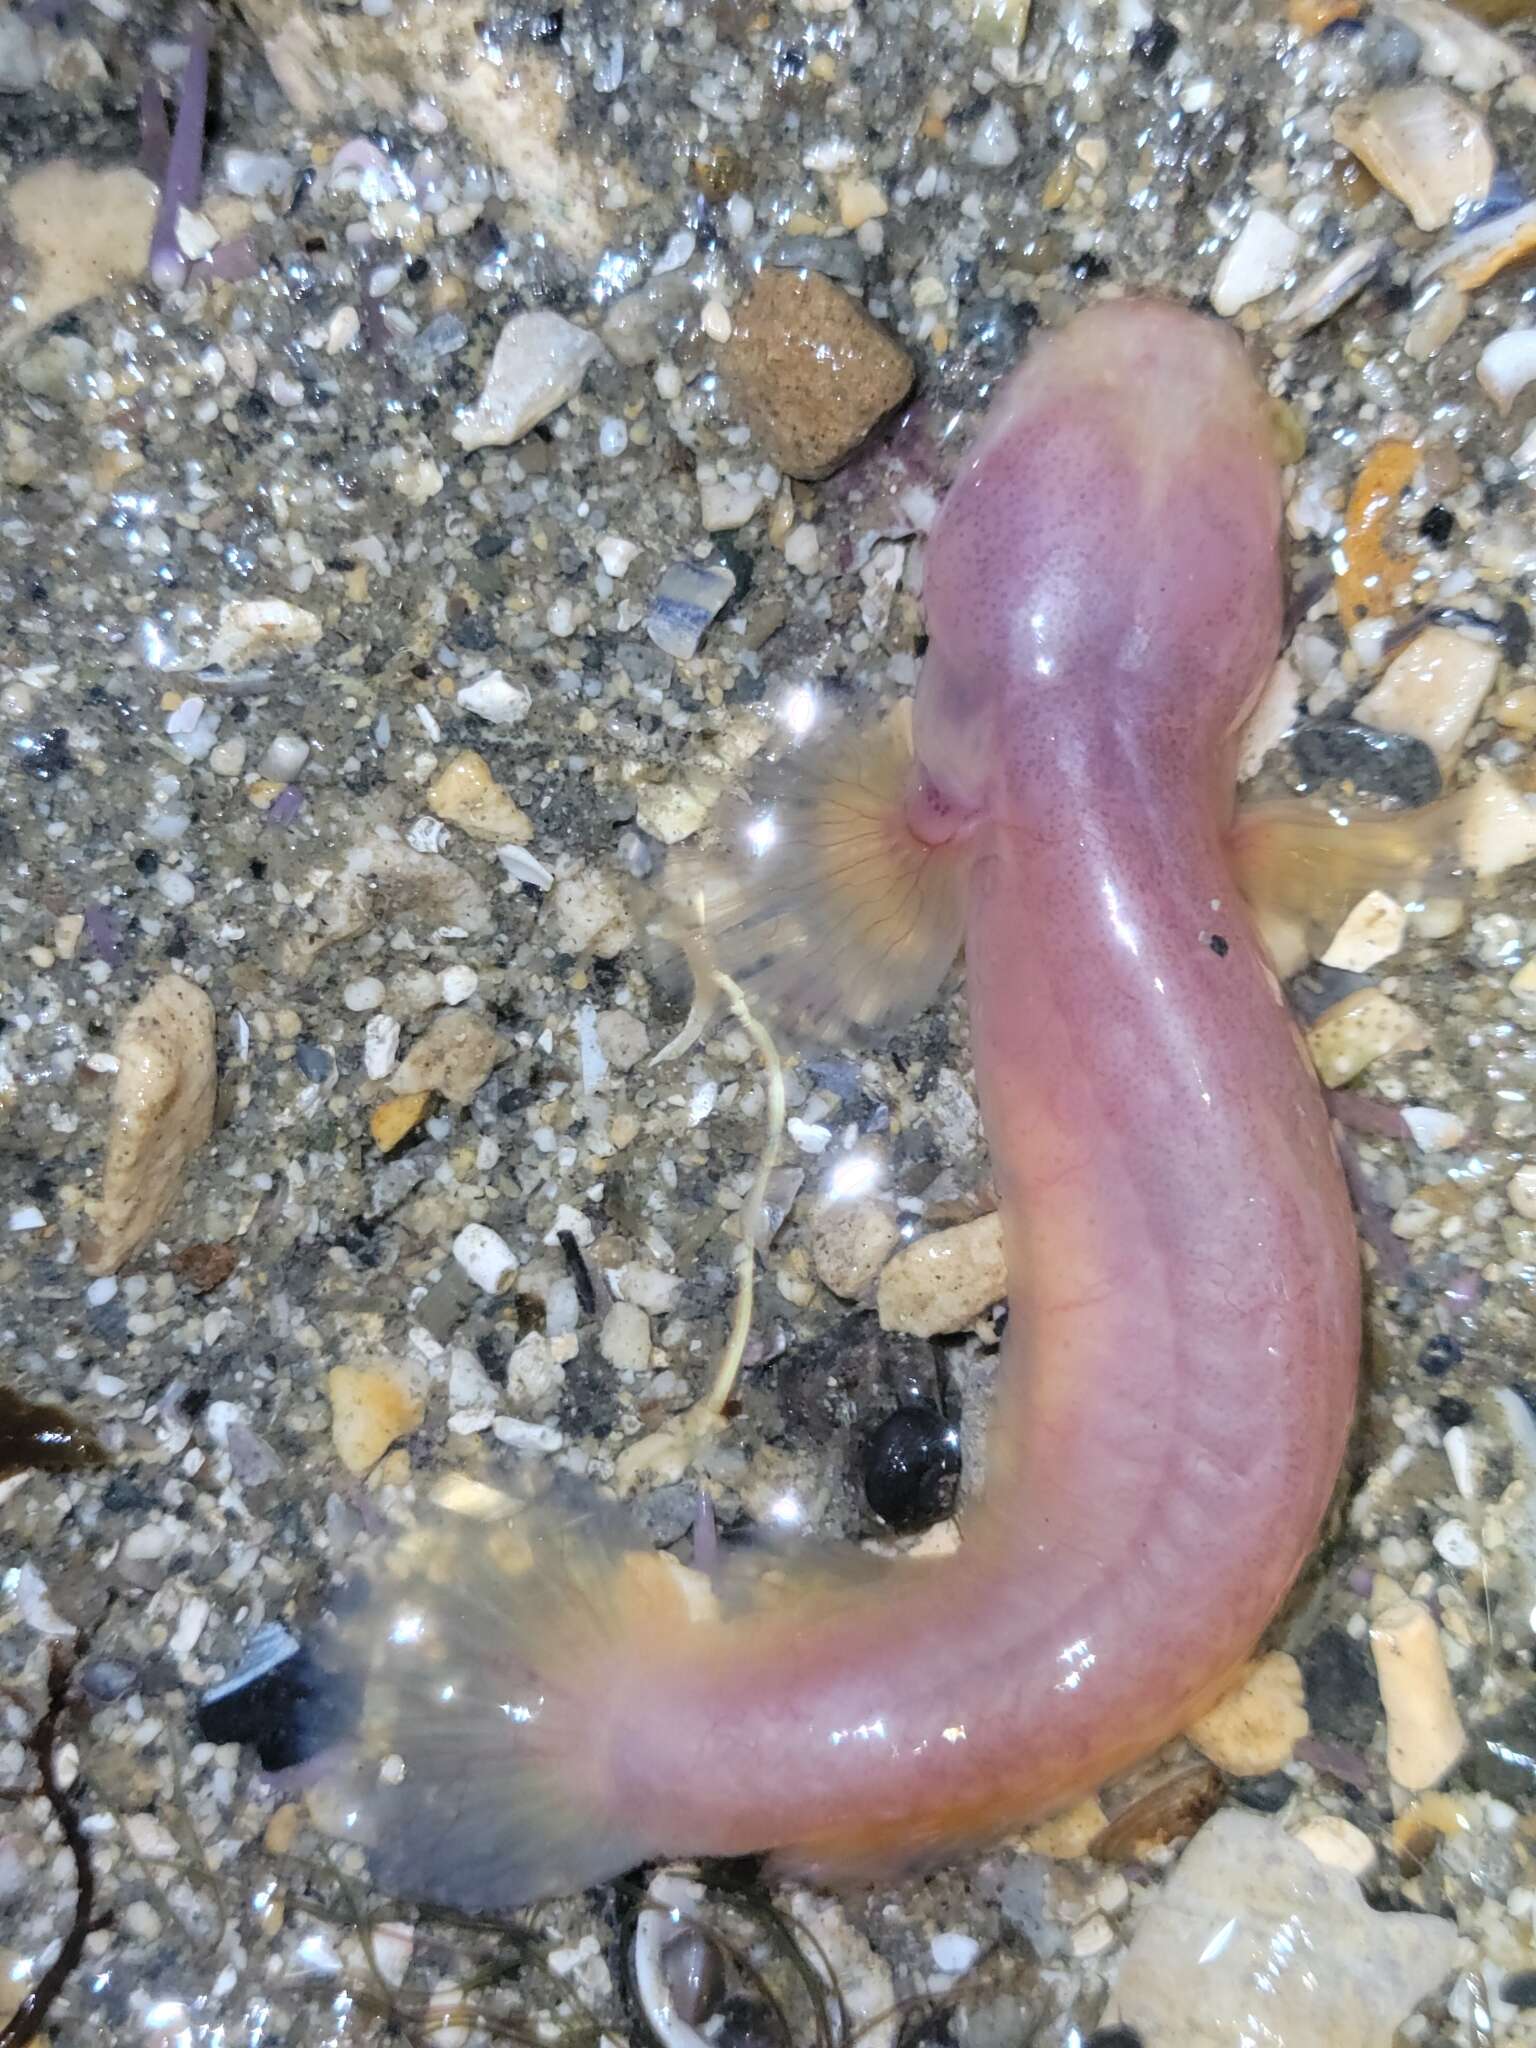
x=1372, y=932
x=537, y=365
x=1425, y=1737
x=1427, y=147
x=1327, y=290
x=162, y=1113
x=1434, y=690
x=1253, y=1938
x=672, y=1901
x=1507, y=365
x=485, y=1257
x=1256, y=264
x=1453, y=46
x=252, y=630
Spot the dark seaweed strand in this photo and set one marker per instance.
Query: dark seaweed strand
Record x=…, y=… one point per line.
x=26, y=2022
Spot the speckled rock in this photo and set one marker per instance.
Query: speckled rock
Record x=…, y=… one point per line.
x=1256, y=1728
x=453, y=1058
x=79, y=232
x=944, y=1281
x=162, y=1113
x=811, y=371
x=850, y=1242
x=1358, y=1031
x=373, y=1406
x=467, y=794
x=1254, y=1938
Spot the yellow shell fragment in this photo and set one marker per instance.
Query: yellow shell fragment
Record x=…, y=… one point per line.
x=398, y=1117
x=162, y=1112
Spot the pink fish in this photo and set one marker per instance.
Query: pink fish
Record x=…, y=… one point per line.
x=1103, y=593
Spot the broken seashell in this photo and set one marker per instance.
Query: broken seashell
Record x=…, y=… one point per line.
x=162, y=1113
x=1434, y=690
x=1507, y=365
x=1256, y=264
x=537, y=365
x=1426, y=146
x=1471, y=259
x=1323, y=294
x=1454, y=47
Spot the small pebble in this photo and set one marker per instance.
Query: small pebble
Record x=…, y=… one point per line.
x=538, y=363
x=625, y=1340
x=364, y=994
x=1256, y=1728
x=458, y=984
x=486, y=1257
x=1258, y=262
x=1339, y=1843
x=911, y=1468
x=1425, y=1738
x=467, y=794
x=943, y=1282
x=995, y=139
x=285, y=756
x=850, y=1242
x=372, y=1406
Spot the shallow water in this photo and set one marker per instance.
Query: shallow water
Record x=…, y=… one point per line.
x=183, y=788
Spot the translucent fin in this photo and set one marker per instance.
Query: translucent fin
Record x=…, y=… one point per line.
x=487, y=1654
x=1303, y=868
x=822, y=903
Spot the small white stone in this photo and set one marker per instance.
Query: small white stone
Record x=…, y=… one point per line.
x=538, y=364
x=1522, y=1192
x=953, y=1952
x=284, y=757
x=995, y=139
x=228, y=757
x=612, y=438
x=850, y=1242
x=535, y=1376
x=342, y=330
x=802, y=550
x=486, y=1257
x=626, y=1337
x=381, y=1043
x=366, y=993
x=1372, y=932
x=1433, y=1130
x=726, y=504
x=1455, y=1542
x=716, y=321
x=1507, y=365
x=616, y=554
x=175, y=887
x=1256, y=264
x=623, y=1039
x=28, y=1218
x=496, y=699
x=472, y=1400
x=458, y=984
x=1339, y=1844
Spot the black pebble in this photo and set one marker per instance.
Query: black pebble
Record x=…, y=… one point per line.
x=1437, y=525
x=744, y=2023
x=312, y=1061
x=1519, y=1988
x=1501, y=1758
x=43, y=754
x=911, y=1466
x=1440, y=1355
x=1514, y=633
x=1265, y=1795
x=1156, y=43
x=1343, y=1702
x=476, y=632
x=1381, y=763
x=1115, y=2037
x=1451, y=1412
x=146, y=860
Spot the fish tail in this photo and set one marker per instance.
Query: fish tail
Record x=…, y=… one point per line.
x=823, y=902
x=490, y=1656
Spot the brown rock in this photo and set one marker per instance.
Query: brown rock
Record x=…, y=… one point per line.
x=202, y=1267
x=811, y=372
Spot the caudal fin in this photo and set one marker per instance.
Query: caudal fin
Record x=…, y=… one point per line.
x=488, y=1653
x=821, y=903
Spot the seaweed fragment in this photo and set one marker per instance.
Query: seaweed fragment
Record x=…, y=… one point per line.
x=26, y=2023
x=36, y=1437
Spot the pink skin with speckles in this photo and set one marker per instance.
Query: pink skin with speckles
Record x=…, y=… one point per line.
x=1103, y=602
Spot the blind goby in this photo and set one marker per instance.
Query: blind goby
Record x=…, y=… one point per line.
x=546, y=1703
